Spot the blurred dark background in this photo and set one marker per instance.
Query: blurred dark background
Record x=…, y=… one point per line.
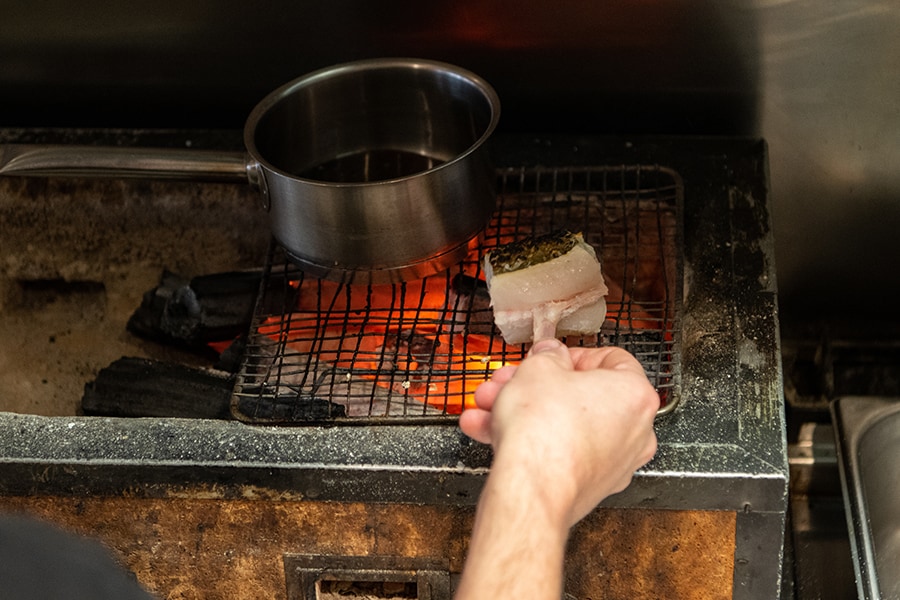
x=820, y=81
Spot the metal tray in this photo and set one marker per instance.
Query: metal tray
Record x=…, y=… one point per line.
x=867, y=431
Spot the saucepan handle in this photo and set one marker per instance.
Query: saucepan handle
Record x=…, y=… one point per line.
x=114, y=161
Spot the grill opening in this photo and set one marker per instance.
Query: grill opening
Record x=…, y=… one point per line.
x=375, y=590
x=322, y=351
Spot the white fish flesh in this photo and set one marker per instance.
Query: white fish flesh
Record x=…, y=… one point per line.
x=550, y=286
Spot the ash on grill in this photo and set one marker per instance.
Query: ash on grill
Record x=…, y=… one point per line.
x=417, y=350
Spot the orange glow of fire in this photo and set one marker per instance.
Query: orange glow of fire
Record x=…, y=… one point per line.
x=366, y=331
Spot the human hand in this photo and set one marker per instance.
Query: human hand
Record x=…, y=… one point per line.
x=570, y=424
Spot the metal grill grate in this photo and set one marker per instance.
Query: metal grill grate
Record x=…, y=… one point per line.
x=325, y=351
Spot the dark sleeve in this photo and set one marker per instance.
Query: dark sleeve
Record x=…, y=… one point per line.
x=42, y=562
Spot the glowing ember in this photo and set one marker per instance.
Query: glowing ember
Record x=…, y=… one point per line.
x=401, y=340
x=371, y=335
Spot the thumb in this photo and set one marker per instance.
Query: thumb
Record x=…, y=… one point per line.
x=554, y=350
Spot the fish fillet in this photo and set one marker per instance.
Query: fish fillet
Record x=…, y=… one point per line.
x=546, y=287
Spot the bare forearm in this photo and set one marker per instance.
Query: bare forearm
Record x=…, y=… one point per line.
x=517, y=546
x=569, y=426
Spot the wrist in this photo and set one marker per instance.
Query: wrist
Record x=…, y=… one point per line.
x=518, y=543
x=547, y=498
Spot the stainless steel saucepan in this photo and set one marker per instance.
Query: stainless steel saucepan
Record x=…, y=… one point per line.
x=373, y=171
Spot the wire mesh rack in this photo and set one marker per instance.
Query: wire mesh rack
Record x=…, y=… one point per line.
x=321, y=351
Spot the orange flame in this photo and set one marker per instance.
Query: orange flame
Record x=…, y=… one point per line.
x=402, y=338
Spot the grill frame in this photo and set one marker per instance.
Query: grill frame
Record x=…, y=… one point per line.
x=315, y=347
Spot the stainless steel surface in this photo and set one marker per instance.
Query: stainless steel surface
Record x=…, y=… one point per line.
x=868, y=437
x=667, y=66
x=830, y=110
x=99, y=161
x=404, y=226
x=817, y=80
x=819, y=547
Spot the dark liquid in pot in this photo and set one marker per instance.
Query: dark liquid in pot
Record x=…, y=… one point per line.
x=372, y=165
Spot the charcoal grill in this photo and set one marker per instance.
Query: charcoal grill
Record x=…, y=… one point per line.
x=255, y=510
x=323, y=351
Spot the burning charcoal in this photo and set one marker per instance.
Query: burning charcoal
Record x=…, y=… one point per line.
x=137, y=387
x=231, y=357
x=469, y=306
x=406, y=367
x=287, y=409
x=193, y=313
x=419, y=347
x=408, y=351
